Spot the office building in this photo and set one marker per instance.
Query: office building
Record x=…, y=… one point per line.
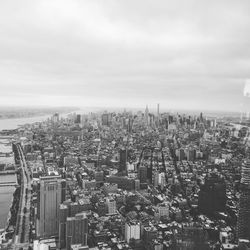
x=243, y=223
x=78, y=119
x=212, y=195
x=111, y=206
x=170, y=119
x=146, y=115
x=105, y=119
x=123, y=160
x=76, y=230
x=191, y=154
x=163, y=210
x=63, y=214
x=130, y=125
x=132, y=231
x=55, y=118
x=137, y=184
x=158, y=114
x=162, y=180
x=150, y=167
x=142, y=174
x=102, y=208
x=156, y=178
x=180, y=154
x=51, y=194
x=99, y=176
x=149, y=234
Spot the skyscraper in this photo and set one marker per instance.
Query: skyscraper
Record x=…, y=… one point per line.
x=99, y=176
x=78, y=118
x=156, y=178
x=105, y=119
x=243, y=224
x=111, y=205
x=158, y=114
x=142, y=174
x=150, y=167
x=63, y=213
x=51, y=194
x=77, y=230
x=212, y=196
x=130, y=125
x=123, y=160
x=132, y=231
x=146, y=114
x=55, y=118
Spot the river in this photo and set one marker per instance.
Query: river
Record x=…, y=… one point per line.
x=6, y=193
x=13, y=123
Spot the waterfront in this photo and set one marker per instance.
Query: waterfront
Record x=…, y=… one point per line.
x=6, y=192
x=15, y=122
x=6, y=195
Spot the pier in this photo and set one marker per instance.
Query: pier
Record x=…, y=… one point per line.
x=7, y=172
x=9, y=184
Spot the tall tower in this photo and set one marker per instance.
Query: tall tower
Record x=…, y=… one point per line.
x=76, y=230
x=132, y=231
x=243, y=224
x=63, y=214
x=246, y=101
x=142, y=174
x=55, y=118
x=105, y=119
x=51, y=195
x=146, y=114
x=158, y=114
x=123, y=160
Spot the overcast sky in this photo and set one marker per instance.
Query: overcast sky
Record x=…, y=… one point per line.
x=181, y=54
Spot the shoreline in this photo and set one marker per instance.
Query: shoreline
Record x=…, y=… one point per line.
x=7, y=228
x=10, y=126
x=7, y=224
x=38, y=113
x=7, y=234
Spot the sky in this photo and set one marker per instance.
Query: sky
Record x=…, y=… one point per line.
x=189, y=54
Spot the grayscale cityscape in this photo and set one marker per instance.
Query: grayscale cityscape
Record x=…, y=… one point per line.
x=124, y=125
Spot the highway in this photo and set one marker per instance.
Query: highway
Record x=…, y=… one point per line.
x=21, y=238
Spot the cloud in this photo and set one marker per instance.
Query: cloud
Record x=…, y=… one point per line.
x=124, y=52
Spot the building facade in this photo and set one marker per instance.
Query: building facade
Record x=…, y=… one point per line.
x=51, y=194
x=243, y=224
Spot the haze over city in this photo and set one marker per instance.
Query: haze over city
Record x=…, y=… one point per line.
x=124, y=125
x=182, y=54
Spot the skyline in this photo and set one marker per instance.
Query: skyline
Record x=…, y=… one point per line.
x=183, y=55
